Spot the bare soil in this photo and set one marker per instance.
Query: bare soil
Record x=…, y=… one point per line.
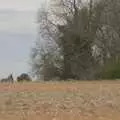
x=60, y=101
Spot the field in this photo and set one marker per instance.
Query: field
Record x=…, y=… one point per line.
x=60, y=101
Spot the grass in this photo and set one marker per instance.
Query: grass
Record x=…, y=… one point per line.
x=61, y=101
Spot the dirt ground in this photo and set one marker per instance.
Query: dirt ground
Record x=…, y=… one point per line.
x=60, y=101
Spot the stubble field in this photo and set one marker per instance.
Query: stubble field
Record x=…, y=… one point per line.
x=60, y=101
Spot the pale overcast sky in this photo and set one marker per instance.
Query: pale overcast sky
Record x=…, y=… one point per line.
x=20, y=4
x=17, y=34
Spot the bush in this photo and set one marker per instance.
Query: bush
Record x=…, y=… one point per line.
x=24, y=77
x=111, y=70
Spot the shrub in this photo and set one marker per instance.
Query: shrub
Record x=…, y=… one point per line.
x=24, y=77
x=111, y=70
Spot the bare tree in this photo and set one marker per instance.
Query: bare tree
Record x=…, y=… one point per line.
x=107, y=36
x=77, y=36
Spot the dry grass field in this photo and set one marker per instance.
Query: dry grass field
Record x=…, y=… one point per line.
x=60, y=101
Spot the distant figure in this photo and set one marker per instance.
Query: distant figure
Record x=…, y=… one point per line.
x=24, y=77
x=8, y=80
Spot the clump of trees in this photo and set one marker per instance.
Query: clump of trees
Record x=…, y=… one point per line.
x=76, y=39
x=24, y=77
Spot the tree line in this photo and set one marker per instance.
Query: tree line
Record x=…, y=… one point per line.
x=77, y=39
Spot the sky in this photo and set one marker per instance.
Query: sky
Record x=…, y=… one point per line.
x=18, y=31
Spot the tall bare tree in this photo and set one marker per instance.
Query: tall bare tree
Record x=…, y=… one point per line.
x=77, y=36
